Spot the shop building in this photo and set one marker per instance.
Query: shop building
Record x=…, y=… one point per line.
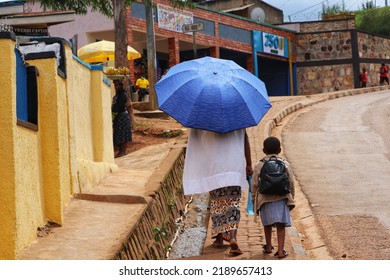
x=264, y=49
x=298, y=58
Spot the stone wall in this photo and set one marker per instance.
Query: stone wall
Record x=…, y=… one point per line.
x=317, y=49
x=324, y=46
x=331, y=54
x=327, y=78
x=373, y=46
x=151, y=238
x=326, y=25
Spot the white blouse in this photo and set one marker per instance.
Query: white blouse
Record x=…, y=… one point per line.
x=214, y=160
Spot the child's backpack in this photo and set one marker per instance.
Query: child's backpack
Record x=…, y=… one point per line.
x=273, y=177
x=382, y=70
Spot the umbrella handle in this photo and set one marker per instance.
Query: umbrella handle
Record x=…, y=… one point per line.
x=249, y=205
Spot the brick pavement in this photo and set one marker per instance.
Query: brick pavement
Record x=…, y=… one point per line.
x=73, y=240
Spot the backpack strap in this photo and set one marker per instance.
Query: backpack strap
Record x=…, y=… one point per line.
x=264, y=160
x=271, y=157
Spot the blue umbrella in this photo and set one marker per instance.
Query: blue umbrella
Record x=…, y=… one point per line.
x=212, y=94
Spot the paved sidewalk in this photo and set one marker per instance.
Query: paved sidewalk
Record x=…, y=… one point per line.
x=94, y=229
x=250, y=233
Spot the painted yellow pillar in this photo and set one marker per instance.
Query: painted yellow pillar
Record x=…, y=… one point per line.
x=53, y=128
x=8, y=225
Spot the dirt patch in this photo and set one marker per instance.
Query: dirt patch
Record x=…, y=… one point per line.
x=47, y=229
x=355, y=237
x=153, y=131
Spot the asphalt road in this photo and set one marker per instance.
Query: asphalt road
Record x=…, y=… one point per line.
x=340, y=154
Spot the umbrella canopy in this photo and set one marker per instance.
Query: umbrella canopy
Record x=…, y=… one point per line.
x=212, y=94
x=102, y=51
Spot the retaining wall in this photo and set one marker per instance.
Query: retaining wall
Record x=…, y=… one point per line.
x=151, y=237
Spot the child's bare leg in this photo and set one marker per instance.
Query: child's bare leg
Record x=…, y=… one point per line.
x=268, y=238
x=281, y=234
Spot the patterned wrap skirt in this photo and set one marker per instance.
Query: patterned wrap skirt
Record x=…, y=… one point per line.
x=122, y=129
x=224, y=209
x=275, y=212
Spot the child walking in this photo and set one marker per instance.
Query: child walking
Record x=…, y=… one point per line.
x=273, y=209
x=363, y=78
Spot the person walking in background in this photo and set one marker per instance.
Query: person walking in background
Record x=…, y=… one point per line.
x=131, y=89
x=121, y=122
x=363, y=78
x=383, y=70
x=142, y=85
x=274, y=209
x=218, y=164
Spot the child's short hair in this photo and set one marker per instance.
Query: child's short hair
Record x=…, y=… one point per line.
x=271, y=145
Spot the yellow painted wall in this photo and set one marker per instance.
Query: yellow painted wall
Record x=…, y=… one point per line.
x=69, y=153
x=53, y=131
x=90, y=101
x=28, y=186
x=7, y=170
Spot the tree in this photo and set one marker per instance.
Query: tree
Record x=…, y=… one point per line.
x=117, y=9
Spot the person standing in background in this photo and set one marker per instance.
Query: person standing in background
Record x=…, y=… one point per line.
x=142, y=85
x=121, y=122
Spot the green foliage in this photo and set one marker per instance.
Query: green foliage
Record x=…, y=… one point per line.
x=374, y=21
x=81, y=6
x=368, y=19
x=179, y=4
x=332, y=9
x=105, y=7
x=159, y=233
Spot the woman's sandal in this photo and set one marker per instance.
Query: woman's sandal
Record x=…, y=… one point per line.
x=265, y=249
x=234, y=250
x=281, y=257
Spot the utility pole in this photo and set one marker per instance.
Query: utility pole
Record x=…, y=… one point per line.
x=151, y=54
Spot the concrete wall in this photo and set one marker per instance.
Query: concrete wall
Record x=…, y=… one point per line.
x=68, y=152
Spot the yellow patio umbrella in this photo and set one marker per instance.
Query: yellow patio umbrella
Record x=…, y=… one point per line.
x=102, y=51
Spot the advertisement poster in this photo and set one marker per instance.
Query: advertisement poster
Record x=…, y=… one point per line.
x=172, y=19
